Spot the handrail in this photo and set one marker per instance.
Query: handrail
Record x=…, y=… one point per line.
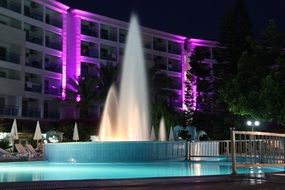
x=252, y=148
x=259, y=133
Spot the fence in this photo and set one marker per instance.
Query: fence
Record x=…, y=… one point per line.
x=209, y=149
x=256, y=149
x=245, y=149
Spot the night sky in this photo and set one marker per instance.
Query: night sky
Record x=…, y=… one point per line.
x=196, y=19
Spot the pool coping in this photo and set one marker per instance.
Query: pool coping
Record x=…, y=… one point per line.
x=274, y=178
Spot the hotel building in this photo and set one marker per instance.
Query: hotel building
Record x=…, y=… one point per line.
x=43, y=43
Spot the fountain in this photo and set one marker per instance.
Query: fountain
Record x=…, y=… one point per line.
x=162, y=130
x=125, y=129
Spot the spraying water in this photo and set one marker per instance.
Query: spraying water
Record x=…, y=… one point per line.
x=162, y=130
x=131, y=121
x=109, y=116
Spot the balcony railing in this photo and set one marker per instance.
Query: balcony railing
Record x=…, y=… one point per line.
x=33, y=13
x=54, y=45
x=54, y=22
x=89, y=53
x=174, y=67
x=107, y=36
x=89, y=32
x=34, y=63
x=51, y=115
x=108, y=56
x=34, y=38
x=159, y=46
x=10, y=57
x=13, y=6
x=9, y=110
x=33, y=87
x=31, y=112
x=53, y=91
x=54, y=67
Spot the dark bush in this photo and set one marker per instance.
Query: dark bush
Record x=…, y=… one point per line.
x=5, y=144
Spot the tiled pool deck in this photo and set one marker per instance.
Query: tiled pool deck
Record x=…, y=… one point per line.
x=268, y=181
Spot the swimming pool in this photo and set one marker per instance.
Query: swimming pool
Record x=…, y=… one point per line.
x=43, y=171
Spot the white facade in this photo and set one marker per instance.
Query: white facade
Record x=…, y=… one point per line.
x=43, y=43
x=31, y=58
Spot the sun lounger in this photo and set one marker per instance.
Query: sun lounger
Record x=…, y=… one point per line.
x=6, y=156
x=32, y=151
x=21, y=149
x=4, y=151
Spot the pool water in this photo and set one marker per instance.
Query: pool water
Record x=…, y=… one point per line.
x=42, y=171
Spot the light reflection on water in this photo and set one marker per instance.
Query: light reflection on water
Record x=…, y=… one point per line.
x=41, y=171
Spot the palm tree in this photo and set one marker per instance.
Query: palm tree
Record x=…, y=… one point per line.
x=81, y=92
x=160, y=98
x=88, y=90
x=107, y=75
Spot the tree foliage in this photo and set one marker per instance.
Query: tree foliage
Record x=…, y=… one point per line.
x=91, y=89
x=257, y=88
x=160, y=98
x=235, y=29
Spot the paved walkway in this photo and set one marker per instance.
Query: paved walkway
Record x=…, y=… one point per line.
x=274, y=181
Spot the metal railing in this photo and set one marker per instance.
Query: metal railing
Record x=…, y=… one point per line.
x=256, y=149
x=209, y=149
x=9, y=110
x=11, y=57
x=57, y=22
x=12, y=5
x=31, y=112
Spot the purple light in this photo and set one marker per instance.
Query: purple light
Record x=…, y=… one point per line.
x=60, y=5
x=64, y=55
x=78, y=98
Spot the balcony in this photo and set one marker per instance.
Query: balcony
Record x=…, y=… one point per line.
x=11, y=5
x=10, y=57
x=9, y=110
x=35, y=13
x=8, y=21
x=108, y=33
x=174, y=47
x=160, y=62
x=36, y=63
x=53, y=18
x=54, y=67
x=175, y=83
x=53, y=91
x=34, y=38
x=31, y=112
x=33, y=87
x=54, y=22
x=51, y=115
x=86, y=30
x=53, y=44
x=9, y=74
x=122, y=36
x=174, y=65
x=159, y=44
x=108, y=52
x=89, y=49
x=108, y=56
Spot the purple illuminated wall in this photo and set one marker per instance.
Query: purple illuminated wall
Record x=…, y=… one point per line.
x=71, y=54
x=64, y=55
x=73, y=44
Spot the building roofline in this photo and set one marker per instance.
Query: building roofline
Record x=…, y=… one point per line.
x=202, y=42
x=56, y=4
x=159, y=33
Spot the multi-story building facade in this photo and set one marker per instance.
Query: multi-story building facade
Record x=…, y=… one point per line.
x=32, y=57
x=43, y=43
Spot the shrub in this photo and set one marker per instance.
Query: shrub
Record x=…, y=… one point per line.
x=5, y=144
